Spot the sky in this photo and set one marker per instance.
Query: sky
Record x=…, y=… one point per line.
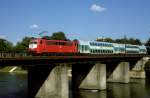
x=79, y=19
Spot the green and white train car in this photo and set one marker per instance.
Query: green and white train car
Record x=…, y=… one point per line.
x=94, y=47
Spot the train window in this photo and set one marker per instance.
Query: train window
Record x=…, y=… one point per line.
x=102, y=51
x=100, y=44
x=96, y=44
x=96, y=51
x=91, y=51
x=33, y=42
x=92, y=44
x=61, y=43
x=57, y=43
x=50, y=43
x=109, y=51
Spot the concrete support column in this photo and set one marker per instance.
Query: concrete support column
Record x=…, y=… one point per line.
x=96, y=78
x=55, y=84
x=120, y=73
x=138, y=70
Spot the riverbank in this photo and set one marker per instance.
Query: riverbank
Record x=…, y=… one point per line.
x=12, y=69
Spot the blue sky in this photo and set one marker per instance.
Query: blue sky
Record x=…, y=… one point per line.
x=81, y=19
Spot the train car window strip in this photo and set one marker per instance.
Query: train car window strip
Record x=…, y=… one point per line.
x=51, y=43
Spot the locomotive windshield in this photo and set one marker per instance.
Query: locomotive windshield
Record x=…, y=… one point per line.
x=33, y=44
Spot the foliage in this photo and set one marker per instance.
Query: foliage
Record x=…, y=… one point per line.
x=124, y=40
x=129, y=41
x=46, y=37
x=56, y=36
x=76, y=40
x=23, y=45
x=5, y=45
x=148, y=42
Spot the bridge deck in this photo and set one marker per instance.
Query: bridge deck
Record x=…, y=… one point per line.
x=45, y=60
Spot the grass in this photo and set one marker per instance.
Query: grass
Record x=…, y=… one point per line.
x=8, y=68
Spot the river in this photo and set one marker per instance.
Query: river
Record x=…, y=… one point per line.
x=15, y=86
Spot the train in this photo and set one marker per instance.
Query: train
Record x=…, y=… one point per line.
x=39, y=46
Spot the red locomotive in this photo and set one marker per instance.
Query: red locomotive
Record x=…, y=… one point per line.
x=44, y=46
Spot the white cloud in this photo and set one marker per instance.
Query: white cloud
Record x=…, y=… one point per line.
x=97, y=8
x=34, y=26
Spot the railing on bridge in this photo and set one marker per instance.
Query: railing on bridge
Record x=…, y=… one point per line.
x=12, y=54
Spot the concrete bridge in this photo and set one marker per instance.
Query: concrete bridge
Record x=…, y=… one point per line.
x=48, y=76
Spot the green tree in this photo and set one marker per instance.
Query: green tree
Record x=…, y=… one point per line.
x=138, y=42
x=5, y=45
x=58, y=36
x=148, y=42
x=128, y=41
x=108, y=40
x=122, y=41
x=105, y=39
x=46, y=37
x=23, y=45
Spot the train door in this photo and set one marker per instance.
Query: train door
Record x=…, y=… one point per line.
x=84, y=48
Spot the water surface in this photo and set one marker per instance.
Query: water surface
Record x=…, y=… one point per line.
x=15, y=86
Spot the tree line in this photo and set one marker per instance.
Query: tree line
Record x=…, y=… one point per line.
x=124, y=40
x=22, y=46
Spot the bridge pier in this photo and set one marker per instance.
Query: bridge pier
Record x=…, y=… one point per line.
x=48, y=82
x=120, y=73
x=91, y=78
x=138, y=70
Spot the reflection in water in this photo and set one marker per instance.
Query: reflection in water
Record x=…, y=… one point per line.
x=116, y=90
x=137, y=88
x=90, y=94
x=15, y=86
